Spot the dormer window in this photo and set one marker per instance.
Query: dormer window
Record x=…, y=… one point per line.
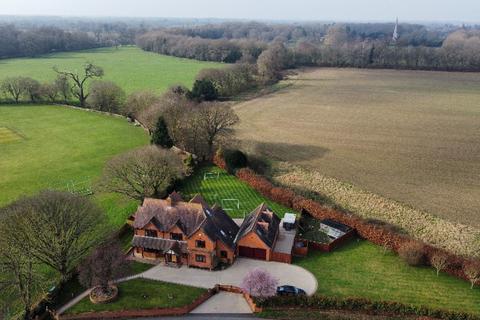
x=200, y=244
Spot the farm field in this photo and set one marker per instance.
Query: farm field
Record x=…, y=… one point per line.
x=361, y=269
x=411, y=136
x=130, y=67
x=59, y=145
x=216, y=189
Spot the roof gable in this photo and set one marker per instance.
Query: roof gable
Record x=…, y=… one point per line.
x=263, y=222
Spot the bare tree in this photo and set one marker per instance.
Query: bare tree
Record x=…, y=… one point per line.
x=439, y=261
x=63, y=87
x=217, y=120
x=472, y=271
x=31, y=88
x=106, y=263
x=106, y=96
x=19, y=280
x=90, y=71
x=139, y=101
x=141, y=173
x=49, y=91
x=13, y=87
x=59, y=229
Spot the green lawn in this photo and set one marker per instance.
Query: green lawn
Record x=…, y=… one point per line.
x=61, y=145
x=143, y=294
x=360, y=269
x=226, y=186
x=130, y=67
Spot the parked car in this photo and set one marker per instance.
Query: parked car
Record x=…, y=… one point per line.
x=290, y=291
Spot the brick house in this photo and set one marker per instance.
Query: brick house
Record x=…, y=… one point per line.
x=192, y=233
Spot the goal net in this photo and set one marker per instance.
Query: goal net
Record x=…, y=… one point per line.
x=211, y=175
x=230, y=204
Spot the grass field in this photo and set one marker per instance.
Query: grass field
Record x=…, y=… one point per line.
x=143, y=294
x=61, y=145
x=411, y=136
x=361, y=269
x=226, y=186
x=130, y=67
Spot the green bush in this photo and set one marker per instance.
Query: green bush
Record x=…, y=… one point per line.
x=235, y=159
x=203, y=90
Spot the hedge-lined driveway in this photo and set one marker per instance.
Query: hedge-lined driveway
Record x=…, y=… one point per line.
x=285, y=273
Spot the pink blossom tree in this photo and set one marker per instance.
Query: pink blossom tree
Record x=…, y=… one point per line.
x=259, y=283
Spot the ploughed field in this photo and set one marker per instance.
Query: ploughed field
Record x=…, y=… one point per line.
x=130, y=67
x=411, y=136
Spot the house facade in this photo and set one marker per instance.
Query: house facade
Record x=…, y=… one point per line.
x=192, y=233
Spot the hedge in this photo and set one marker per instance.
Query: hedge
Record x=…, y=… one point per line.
x=376, y=233
x=363, y=305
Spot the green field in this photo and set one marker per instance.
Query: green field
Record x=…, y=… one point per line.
x=361, y=269
x=130, y=67
x=226, y=186
x=143, y=294
x=60, y=145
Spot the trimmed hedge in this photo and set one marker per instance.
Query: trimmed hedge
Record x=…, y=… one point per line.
x=363, y=305
x=376, y=233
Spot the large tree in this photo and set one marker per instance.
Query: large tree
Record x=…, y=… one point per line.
x=59, y=229
x=19, y=277
x=217, y=121
x=90, y=71
x=142, y=173
x=13, y=87
x=106, y=96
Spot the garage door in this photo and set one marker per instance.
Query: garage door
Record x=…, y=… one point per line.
x=253, y=253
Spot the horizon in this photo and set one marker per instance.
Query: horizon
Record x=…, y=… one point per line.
x=373, y=11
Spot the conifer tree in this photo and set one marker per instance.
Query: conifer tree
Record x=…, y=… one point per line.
x=161, y=136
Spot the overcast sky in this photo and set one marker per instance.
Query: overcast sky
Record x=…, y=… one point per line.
x=339, y=10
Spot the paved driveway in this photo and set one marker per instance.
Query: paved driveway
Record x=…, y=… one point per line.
x=285, y=273
x=224, y=302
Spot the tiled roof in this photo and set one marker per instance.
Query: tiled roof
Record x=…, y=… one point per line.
x=188, y=216
x=264, y=222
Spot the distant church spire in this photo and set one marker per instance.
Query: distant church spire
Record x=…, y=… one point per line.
x=395, y=32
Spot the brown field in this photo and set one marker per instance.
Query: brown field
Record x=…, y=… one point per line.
x=411, y=136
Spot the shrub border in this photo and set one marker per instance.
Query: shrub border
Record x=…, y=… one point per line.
x=387, y=308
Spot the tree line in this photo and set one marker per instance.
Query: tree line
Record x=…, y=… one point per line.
x=338, y=45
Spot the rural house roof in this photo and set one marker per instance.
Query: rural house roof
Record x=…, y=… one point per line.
x=165, y=214
x=264, y=222
x=188, y=216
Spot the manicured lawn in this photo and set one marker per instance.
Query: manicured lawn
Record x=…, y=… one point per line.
x=360, y=269
x=143, y=294
x=227, y=187
x=130, y=67
x=61, y=145
x=73, y=288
